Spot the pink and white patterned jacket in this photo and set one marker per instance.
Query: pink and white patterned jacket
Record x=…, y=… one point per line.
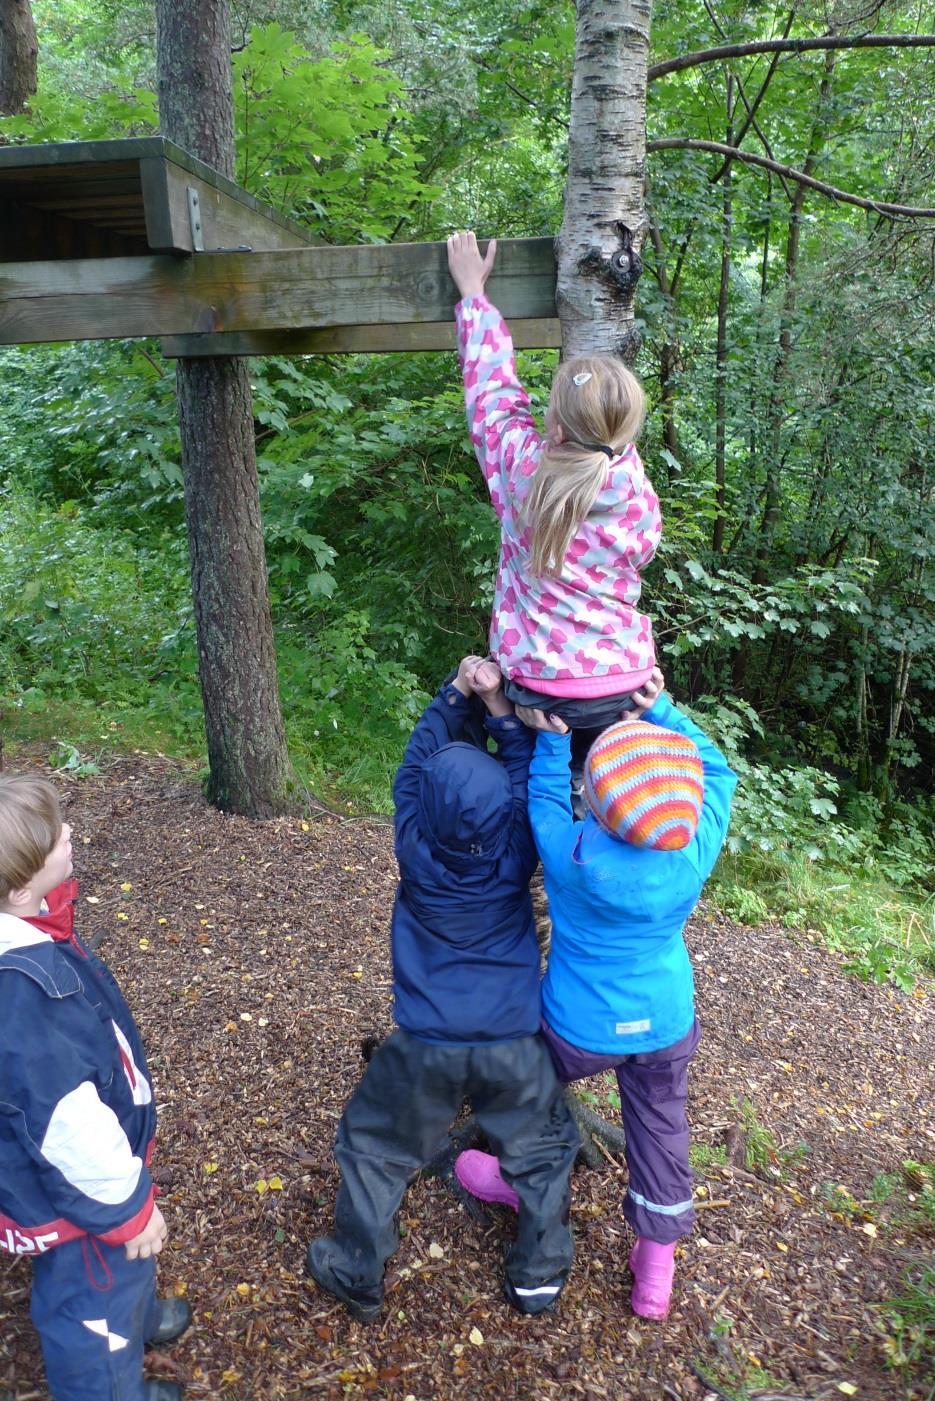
x=576, y=635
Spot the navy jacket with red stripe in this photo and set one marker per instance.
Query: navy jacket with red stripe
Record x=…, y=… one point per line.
x=77, y=1116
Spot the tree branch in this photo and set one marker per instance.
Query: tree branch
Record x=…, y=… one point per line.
x=892, y=211
x=798, y=46
x=751, y=109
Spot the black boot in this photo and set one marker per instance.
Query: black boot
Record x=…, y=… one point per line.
x=536, y=1299
x=162, y=1391
x=175, y=1315
x=364, y=1305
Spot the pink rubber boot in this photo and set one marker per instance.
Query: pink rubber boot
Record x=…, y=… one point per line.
x=653, y=1269
x=479, y=1174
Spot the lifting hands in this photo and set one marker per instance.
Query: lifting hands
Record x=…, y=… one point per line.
x=645, y=698
x=481, y=676
x=469, y=271
x=640, y=701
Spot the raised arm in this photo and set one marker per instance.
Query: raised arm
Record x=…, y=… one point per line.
x=553, y=823
x=441, y=723
x=513, y=740
x=501, y=425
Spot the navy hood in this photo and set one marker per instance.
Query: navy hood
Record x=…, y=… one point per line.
x=465, y=805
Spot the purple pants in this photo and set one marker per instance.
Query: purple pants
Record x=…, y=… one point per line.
x=653, y=1097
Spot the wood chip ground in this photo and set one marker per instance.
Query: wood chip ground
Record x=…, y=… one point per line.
x=255, y=957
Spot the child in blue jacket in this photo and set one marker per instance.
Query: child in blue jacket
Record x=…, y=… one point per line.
x=466, y=982
x=619, y=992
x=77, y=1122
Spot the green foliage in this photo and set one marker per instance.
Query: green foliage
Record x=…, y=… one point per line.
x=777, y=809
x=349, y=710
x=96, y=424
x=606, y=1100
x=388, y=476
x=85, y=615
x=65, y=756
x=326, y=139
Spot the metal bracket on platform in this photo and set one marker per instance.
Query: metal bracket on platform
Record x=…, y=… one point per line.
x=194, y=215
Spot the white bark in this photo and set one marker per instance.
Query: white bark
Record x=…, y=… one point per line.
x=604, y=194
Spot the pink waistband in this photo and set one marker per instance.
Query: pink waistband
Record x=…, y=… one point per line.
x=571, y=688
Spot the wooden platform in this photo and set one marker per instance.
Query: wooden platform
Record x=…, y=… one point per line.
x=109, y=199
x=115, y=239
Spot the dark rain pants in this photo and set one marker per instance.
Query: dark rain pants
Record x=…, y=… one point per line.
x=398, y=1119
x=93, y=1308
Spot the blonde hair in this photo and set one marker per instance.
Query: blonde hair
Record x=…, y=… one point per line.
x=595, y=400
x=30, y=825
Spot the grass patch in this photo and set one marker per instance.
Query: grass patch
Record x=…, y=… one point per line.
x=907, y=1325
x=886, y=930
x=762, y=1153
x=702, y=1156
x=903, y=1200
x=605, y=1098
x=733, y=1369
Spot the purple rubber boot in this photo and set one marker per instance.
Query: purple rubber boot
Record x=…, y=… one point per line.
x=653, y=1269
x=479, y=1174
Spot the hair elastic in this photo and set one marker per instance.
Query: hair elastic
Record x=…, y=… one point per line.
x=595, y=447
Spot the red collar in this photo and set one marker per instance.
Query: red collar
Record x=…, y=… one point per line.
x=58, y=919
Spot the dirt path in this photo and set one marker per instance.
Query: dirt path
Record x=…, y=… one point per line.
x=256, y=958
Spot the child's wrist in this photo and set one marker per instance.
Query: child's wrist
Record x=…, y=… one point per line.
x=498, y=705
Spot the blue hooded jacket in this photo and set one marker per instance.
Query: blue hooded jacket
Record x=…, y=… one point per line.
x=465, y=956
x=619, y=980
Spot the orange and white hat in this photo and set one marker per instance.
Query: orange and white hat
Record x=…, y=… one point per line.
x=645, y=785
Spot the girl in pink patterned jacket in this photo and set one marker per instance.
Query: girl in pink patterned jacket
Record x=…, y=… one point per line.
x=578, y=516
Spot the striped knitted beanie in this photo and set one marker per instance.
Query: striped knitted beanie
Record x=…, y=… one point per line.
x=644, y=785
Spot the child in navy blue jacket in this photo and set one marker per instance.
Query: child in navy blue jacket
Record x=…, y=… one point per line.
x=77, y=1122
x=618, y=993
x=466, y=981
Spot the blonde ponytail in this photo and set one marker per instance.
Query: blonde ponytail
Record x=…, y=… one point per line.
x=568, y=481
x=596, y=401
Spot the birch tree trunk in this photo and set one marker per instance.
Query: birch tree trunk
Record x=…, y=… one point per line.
x=598, y=249
x=247, y=756
x=599, y=265
x=19, y=54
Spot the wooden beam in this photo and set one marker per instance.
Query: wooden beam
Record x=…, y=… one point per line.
x=528, y=334
x=230, y=219
x=387, y=285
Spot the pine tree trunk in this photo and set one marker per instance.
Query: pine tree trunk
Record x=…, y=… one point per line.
x=247, y=756
x=19, y=53
x=604, y=223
